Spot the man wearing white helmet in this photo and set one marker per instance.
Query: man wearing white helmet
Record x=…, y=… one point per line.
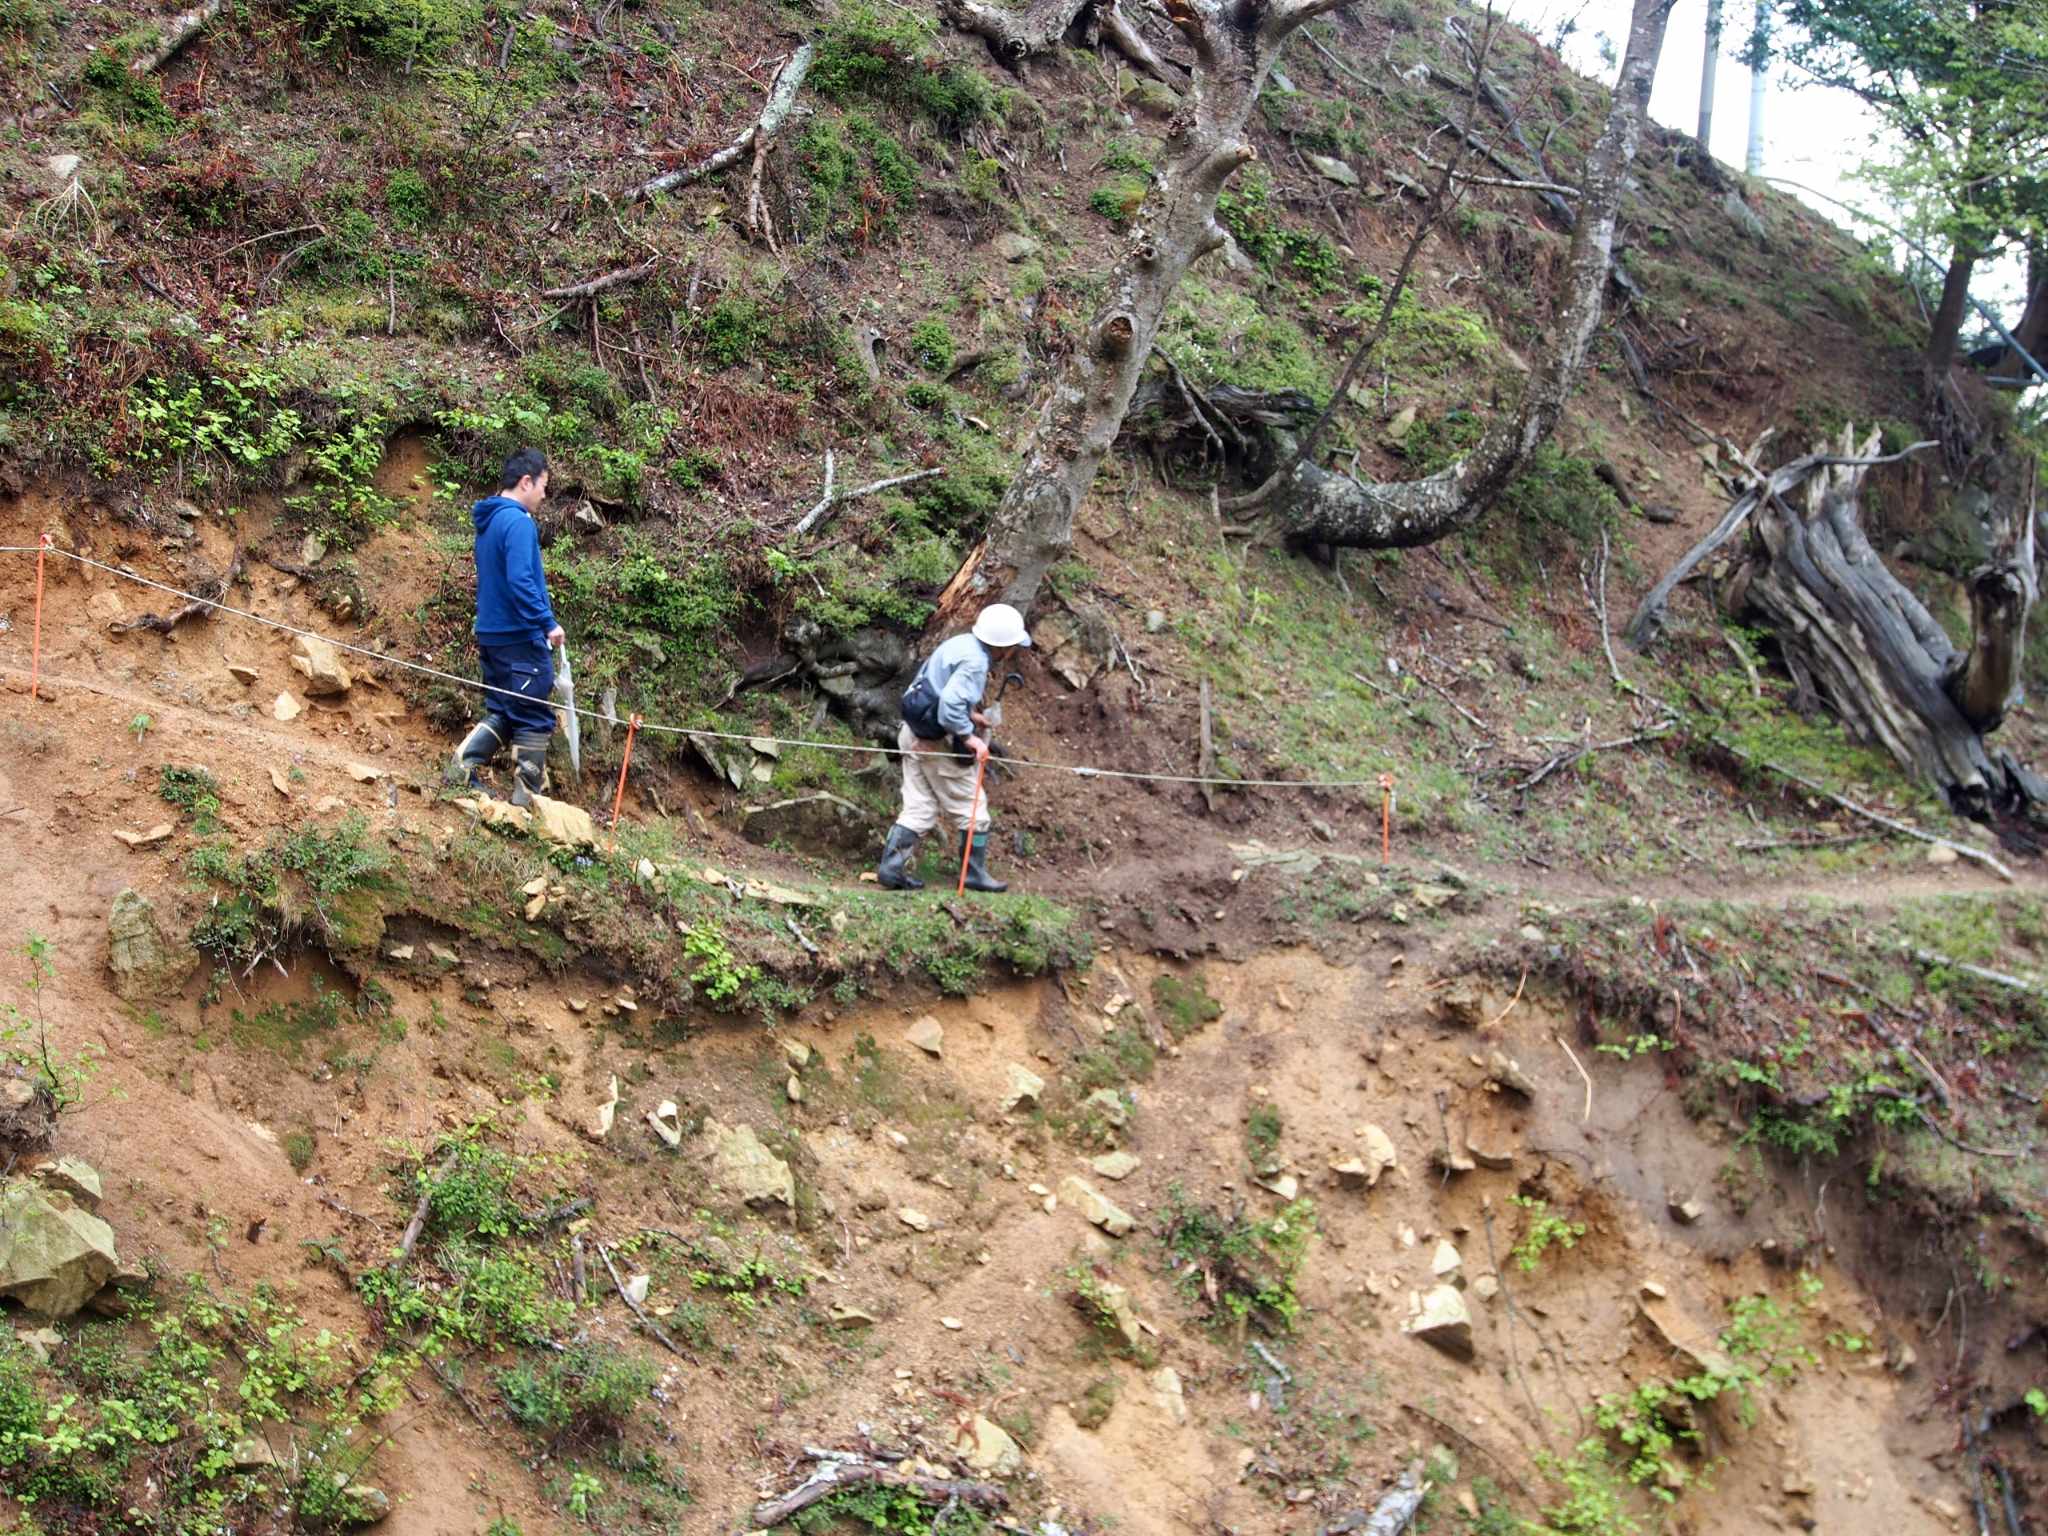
x=943, y=748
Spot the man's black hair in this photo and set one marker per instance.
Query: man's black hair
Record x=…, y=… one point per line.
x=525, y=462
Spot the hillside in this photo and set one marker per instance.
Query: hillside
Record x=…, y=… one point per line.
x=1719, y=1093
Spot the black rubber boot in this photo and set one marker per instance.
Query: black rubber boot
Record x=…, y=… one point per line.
x=977, y=866
x=478, y=747
x=893, y=873
x=529, y=767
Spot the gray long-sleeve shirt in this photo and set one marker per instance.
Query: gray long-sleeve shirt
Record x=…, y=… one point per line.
x=958, y=674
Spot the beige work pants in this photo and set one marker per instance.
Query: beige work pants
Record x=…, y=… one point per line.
x=937, y=786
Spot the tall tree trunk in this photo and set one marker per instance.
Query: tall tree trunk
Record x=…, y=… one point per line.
x=1948, y=315
x=1319, y=507
x=1234, y=44
x=2032, y=331
x=1707, y=70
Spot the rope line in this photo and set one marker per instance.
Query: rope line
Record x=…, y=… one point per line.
x=1080, y=771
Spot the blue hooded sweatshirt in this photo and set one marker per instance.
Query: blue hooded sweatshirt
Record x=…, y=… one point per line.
x=512, y=606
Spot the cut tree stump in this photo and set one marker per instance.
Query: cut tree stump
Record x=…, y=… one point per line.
x=1867, y=646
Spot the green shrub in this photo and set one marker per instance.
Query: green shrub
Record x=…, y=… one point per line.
x=859, y=180
x=588, y=1389
x=732, y=331
x=1119, y=199
x=932, y=345
x=24, y=16
x=891, y=58
x=407, y=197
x=402, y=32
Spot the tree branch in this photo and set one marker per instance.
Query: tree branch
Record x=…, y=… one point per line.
x=774, y=113
x=598, y=285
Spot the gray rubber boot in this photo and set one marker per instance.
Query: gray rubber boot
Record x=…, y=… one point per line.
x=529, y=766
x=978, y=878
x=478, y=747
x=893, y=873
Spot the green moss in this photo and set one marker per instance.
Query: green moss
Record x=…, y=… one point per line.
x=891, y=57
x=1184, y=1003
x=1119, y=199
x=932, y=345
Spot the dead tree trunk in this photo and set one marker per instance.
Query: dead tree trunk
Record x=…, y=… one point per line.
x=1318, y=507
x=1234, y=43
x=1014, y=34
x=1877, y=657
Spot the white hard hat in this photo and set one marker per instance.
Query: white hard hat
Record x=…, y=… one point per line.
x=1000, y=625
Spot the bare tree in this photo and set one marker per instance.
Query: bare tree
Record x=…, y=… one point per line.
x=1234, y=43
x=1319, y=507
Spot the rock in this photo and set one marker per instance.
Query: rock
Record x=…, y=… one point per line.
x=664, y=1117
x=252, y=1451
x=1661, y=512
x=914, y=1219
x=1900, y=1358
x=363, y=773
x=74, y=1177
x=849, y=1317
x=1488, y=1156
x=39, y=1342
x=794, y=1089
x=147, y=966
x=797, y=1054
x=327, y=805
x=1096, y=1207
x=54, y=1254
x=1166, y=1392
x=27, y=1115
x=535, y=905
x=927, y=1035
x=1688, y=1333
x=811, y=822
x=1013, y=247
x=560, y=823
x=286, y=708
x=1285, y=1185
x=321, y=665
x=1116, y=1166
x=608, y=1111
x=1107, y=1304
x=280, y=784
x=1379, y=1156
x=62, y=170
x=986, y=1447
x=105, y=608
x=1332, y=169
x=1023, y=1087
x=1155, y=620
x=1440, y=1318
x=149, y=839
x=1446, y=1261
x=1531, y=933
x=951, y=1324
x=1506, y=1071
x=1432, y=897
x=1486, y=1287
x=1397, y=430
x=1743, y=216
x=1109, y=1104
x=1941, y=853
x=363, y=1504
x=1462, y=1004
x=1684, y=1212
x=741, y=1166
x=1353, y=1174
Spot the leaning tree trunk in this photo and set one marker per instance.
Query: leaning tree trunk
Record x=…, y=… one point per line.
x=1877, y=657
x=1234, y=43
x=1948, y=314
x=1318, y=507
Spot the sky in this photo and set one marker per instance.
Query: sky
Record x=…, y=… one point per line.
x=1812, y=134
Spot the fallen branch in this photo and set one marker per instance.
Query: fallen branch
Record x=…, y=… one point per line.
x=774, y=113
x=1963, y=850
x=1392, y=1514
x=597, y=285
x=798, y=934
x=1499, y=181
x=833, y=499
x=1588, y=1113
x=1498, y=1017
x=1563, y=759
x=845, y=1470
x=200, y=607
x=1930, y=959
x=177, y=32
x=659, y=1334
x=418, y=1223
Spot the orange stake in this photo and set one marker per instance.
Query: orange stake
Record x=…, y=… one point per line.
x=35, y=665
x=973, y=815
x=619, y=797
x=1386, y=818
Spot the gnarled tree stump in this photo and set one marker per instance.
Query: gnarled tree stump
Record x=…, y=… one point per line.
x=1853, y=632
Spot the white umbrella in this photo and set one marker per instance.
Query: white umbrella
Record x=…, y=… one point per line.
x=565, y=690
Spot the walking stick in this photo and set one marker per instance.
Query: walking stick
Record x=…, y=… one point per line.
x=973, y=815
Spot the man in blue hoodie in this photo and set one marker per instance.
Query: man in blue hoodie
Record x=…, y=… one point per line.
x=515, y=631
